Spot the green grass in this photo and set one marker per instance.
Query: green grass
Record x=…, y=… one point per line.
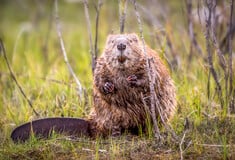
x=211, y=133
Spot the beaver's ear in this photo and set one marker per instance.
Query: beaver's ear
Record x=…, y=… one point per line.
x=134, y=37
x=109, y=38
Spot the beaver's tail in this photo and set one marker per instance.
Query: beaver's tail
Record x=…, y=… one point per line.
x=43, y=128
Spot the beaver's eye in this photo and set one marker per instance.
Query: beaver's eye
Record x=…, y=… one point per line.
x=135, y=39
x=112, y=41
x=130, y=41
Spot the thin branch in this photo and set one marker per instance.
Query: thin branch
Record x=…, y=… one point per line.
x=222, y=61
x=152, y=75
x=224, y=41
x=215, y=145
x=122, y=14
x=216, y=44
x=100, y=3
x=232, y=107
x=230, y=62
x=92, y=52
x=224, y=44
x=208, y=86
x=151, y=83
x=188, y=145
x=210, y=6
x=176, y=60
x=181, y=150
x=191, y=30
x=58, y=27
x=2, y=49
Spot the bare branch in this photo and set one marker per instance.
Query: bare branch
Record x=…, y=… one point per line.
x=181, y=150
x=176, y=60
x=216, y=44
x=210, y=6
x=100, y=3
x=58, y=27
x=232, y=106
x=92, y=52
x=151, y=83
x=2, y=49
x=122, y=14
x=230, y=62
x=191, y=30
x=224, y=41
x=152, y=75
x=215, y=145
x=222, y=61
x=208, y=86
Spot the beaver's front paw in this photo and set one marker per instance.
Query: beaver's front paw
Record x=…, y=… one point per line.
x=132, y=80
x=108, y=87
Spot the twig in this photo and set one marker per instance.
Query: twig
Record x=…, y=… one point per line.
x=100, y=3
x=214, y=145
x=150, y=76
x=122, y=14
x=154, y=102
x=222, y=61
x=176, y=61
x=208, y=86
x=210, y=6
x=90, y=150
x=216, y=44
x=58, y=27
x=224, y=44
x=191, y=31
x=2, y=49
x=181, y=150
x=92, y=52
x=224, y=41
x=87, y=149
x=233, y=102
x=188, y=145
x=230, y=62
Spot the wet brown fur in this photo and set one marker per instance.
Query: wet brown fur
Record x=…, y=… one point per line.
x=124, y=108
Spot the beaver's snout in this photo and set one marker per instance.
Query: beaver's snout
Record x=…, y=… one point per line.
x=121, y=47
x=121, y=57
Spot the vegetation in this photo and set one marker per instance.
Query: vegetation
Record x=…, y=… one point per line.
x=204, y=122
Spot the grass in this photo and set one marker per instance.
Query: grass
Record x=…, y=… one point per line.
x=38, y=63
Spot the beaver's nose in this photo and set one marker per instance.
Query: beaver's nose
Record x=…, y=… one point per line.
x=121, y=47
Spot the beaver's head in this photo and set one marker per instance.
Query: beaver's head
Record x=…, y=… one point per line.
x=123, y=51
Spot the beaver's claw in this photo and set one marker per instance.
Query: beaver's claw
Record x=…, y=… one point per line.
x=132, y=79
x=108, y=87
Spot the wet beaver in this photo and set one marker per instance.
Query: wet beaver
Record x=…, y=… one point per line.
x=121, y=86
x=121, y=94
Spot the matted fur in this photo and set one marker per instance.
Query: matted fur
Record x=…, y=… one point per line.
x=124, y=107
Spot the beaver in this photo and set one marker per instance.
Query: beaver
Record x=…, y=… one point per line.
x=121, y=94
x=121, y=86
